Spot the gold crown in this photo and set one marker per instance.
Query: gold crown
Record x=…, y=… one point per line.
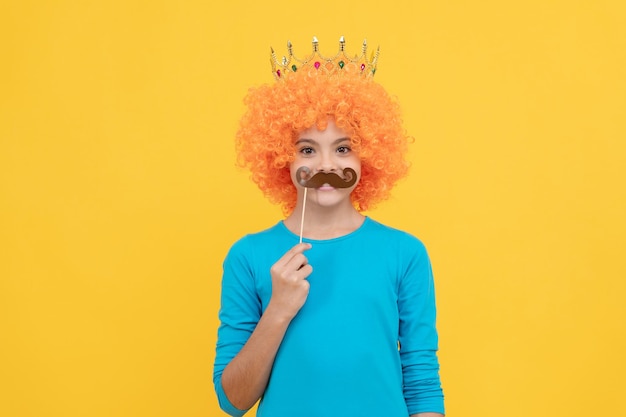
x=336, y=65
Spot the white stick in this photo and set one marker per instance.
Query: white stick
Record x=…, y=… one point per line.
x=302, y=218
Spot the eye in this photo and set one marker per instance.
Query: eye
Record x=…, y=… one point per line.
x=343, y=149
x=307, y=150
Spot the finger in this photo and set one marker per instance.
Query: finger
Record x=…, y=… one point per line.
x=305, y=271
x=294, y=251
x=297, y=262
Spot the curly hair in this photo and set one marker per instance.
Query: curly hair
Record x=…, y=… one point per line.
x=276, y=113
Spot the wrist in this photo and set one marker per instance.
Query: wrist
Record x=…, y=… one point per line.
x=276, y=316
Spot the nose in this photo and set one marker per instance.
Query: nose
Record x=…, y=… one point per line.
x=326, y=163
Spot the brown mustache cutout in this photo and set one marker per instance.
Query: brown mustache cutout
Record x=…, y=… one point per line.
x=303, y=174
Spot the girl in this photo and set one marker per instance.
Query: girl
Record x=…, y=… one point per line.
x=343, y=323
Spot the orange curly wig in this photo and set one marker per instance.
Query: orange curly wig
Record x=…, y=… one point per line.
x=276, y=113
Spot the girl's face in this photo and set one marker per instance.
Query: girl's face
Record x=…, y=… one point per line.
x=327, y=151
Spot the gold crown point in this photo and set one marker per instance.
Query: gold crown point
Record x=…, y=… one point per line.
x=315, y=44
x=375, y=54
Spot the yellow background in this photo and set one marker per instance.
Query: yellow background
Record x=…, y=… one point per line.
x=119, y=197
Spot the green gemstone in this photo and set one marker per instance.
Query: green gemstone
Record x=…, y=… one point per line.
x=294, y=68
x=341, y=64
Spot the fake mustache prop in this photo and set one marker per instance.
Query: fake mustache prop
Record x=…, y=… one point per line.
x=303, y=175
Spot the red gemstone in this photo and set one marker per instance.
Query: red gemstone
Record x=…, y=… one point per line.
x=362, y=67
x=317, y=64
x=278, y=73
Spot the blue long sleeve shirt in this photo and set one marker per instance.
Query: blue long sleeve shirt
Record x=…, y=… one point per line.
x=364, y=343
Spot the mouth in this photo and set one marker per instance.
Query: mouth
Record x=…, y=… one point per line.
x=326, y=187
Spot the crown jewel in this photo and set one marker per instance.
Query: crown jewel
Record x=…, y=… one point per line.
x=338, y=64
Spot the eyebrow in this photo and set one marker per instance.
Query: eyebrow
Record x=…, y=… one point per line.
x=311, y=141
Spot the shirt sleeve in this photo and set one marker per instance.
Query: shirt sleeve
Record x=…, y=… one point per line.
x=418, y=334
x=239, y=314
